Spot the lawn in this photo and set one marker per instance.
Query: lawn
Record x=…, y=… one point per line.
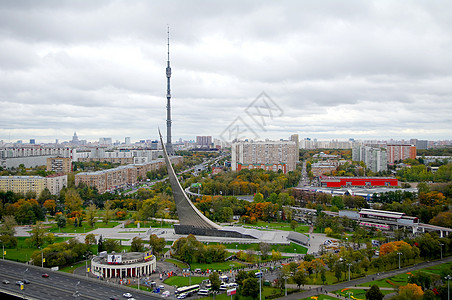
x=280, y=226
x=85, y=228
x=23, y=252
x=320, y=297
x=291, y=248
x=184, y=281
x=180, y=264
x=359, y=293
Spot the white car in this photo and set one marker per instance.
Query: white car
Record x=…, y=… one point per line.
x=166, y=294
x=182, y=296
x=127, y=295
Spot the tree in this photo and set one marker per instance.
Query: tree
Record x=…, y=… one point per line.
x=111, y=245
x=38, y=233
x=157, y=244
x=91, y=214
x=90, y=239
x=411, y=291
x=8, y=226
x=107, y=207
x=61, y=220
x=374, y=293
x=293, y=224
x=215, y=282
x=429, y=295
x=72, y=200
x=250, y=288
x=299, y=278
x=264, y=248
x=50, y=205
x=137, y=245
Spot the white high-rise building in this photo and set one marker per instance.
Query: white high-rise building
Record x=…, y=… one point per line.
x=374, y=158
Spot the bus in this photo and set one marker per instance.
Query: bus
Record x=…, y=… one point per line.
x=187, y=289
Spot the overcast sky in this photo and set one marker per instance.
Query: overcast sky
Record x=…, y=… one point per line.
x=331, y=69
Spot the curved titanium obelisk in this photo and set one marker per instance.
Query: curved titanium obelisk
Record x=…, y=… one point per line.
x=191, y=220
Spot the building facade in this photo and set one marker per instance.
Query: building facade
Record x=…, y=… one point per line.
x=400, y=152
x=374, y=157
x=268, y=155
x=122, y=265
x=338, y=182
x=24, y=184
x=59, y=164
x=111, y=179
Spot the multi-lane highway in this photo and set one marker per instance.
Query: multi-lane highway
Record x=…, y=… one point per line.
x=59, y=285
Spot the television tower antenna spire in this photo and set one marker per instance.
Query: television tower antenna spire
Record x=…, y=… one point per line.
x=169, y=145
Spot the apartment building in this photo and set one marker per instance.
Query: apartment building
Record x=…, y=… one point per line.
x=24, y=184
x=268, y=155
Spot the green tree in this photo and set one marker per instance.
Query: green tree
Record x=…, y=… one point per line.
x=293, y=224
x=299, y=278
x=61, y=220
x=90, y=239
x=91, y=214
x=429, y=295
x=264, y=248
x=8, y=225
x=215, y=282
x=374, y=293
x=107, y=215
x=250, y=287
x=111, y=245
x=137, y=245
x=38, y=233
x=157, y=244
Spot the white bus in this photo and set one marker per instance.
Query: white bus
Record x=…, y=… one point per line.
x=187, y=289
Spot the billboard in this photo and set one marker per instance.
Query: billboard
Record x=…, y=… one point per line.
x=114, y=259
x=148, y=255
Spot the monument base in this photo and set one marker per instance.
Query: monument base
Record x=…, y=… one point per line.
x=223, y=232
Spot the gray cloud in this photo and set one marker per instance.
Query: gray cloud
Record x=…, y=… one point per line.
x=338, y=69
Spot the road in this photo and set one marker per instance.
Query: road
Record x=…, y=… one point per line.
x=346, y=284
x=60, y=285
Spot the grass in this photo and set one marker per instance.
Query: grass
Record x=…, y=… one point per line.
x=184, y=281
x=71, y=269
x=291, y=248
x=85, y=228
x=280, y=226
x=23, y=252
x=320, y=297
x=359, y=293
x=179, y=264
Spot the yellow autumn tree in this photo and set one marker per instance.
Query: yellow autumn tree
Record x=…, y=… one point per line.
x=393, y=246
x=411, y=291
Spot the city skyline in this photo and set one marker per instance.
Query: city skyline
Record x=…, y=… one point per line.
x=337, y=70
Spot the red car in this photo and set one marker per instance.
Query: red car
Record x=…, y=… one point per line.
x=45, y=275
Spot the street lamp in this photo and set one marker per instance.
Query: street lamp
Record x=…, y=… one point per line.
x=3, y=245
x=76, y=294
x=285, y=286
x=399, y=253
x=441, y=250
x=42, y=257
x=26, y=270
x=448, y=277
x=349, y=264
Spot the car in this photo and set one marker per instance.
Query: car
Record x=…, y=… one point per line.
x=45, y=275
x=114, y=298
x=166, y=294
x=5, y=281
x=26, y=281
x=182, y=296
x=162, y=287
x=127, y=295
x=19, y=282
